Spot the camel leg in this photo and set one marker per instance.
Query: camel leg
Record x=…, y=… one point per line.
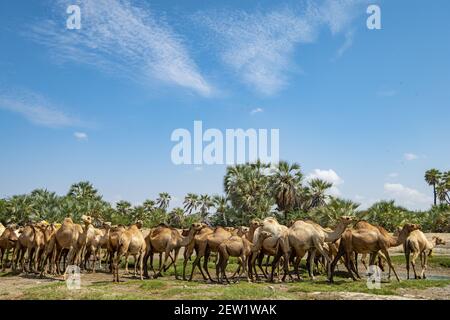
x=388, y=258
x=413, y=264
x=175, y=256
x=424, y=264
x=205, y=264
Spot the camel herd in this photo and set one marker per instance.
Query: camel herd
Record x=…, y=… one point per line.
x=48, y=248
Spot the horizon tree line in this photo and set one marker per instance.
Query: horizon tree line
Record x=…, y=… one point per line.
x=253, y=190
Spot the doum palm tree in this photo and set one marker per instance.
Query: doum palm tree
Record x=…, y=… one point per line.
x=432, y=177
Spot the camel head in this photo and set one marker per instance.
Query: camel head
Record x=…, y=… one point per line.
x=86, y=219
x=264, y=235
x=255, y=223
x=197, y=226
x=410, y=227
x=68, y=220
x=242, y=230
x=106, y=225
x=346, y=220
x=439, y=241
x=139, y=224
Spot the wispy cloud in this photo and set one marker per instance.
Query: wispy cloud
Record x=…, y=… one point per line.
x=259, y=46
x=387, y=93
x=393, y=175
x=407, y=196
x=256, y=110
x=348, y=42
x=410, y=156
x=36, y=109
x=80, y=136
x=124, y=39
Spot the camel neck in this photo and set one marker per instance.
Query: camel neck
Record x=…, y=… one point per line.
x=332, y=236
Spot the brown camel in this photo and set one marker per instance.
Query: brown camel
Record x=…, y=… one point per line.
x=113, y=243
x=418, y=244
x=8, y=241
x=29, y=246
x=241, y=248
x=194, y=245
x=207, y=244
x=66, y=238
x=165, y=240
x=131, y=241
x=308, y=236
x=369, y=241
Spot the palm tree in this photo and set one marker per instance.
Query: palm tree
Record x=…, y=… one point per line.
x=221, y=205
x=149, y=205
x=286, y=183
x=443, y=188
x=191, y=202
x=432, y=177
x=163, y=200
x=317, y=190
x=176, y=217
x=123, y=207
x=205, y=203
x=83, y=190
x=329, y=215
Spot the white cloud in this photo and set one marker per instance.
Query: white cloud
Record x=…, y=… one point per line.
x=408, y=197
x=329, y=176
x=259, y=46
x=119, y=37
x=80, y=136
x=410, y=156
x=36, y=109
x=257, y=110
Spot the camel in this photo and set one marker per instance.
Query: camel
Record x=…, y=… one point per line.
x=165, y=240
x=369, y=241
x=103, y=240
x=113, y=243
x=280, y=234
x=29, y=245
x=49, y=249
x=66, y=238
x=241, y=248
x=131, y=241
x=194, y=245
x=8, y=241
x=207, y=244
x=418, y=244
x=307, y=236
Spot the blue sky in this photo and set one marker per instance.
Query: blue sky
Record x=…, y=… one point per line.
x=365, y=109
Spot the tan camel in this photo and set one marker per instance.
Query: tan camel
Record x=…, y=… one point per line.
x=369, y=241
x=8, y=241
x=207, y=244
x=165, y=240
x=418, y=244
x=131, y=241
x=366, y=225
x=194, y=245
x=49, y=249
x=113, y=243
x=29, y=246
x=241, y=248
x=280, y=234
x=66, y=238
x=307, y=236
x=2, y=229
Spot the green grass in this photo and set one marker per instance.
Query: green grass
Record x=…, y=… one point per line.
x=433, y=261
